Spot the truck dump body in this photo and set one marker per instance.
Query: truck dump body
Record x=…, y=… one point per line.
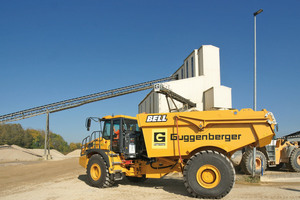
x=226, y=130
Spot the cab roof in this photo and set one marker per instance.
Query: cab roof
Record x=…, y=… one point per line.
x=119, y=116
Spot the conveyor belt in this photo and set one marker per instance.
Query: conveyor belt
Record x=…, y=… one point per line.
x=79, y=101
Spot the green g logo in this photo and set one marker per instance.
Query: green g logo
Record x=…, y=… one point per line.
x=159, y=139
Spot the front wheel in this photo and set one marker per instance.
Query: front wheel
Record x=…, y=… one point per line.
x=294, y=161
x=209, y=174
x=97, y=172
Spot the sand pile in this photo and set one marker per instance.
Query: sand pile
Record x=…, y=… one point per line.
x=56, y=155
x=12, y=153
x=75, y=153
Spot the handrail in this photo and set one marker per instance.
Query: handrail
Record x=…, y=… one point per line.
x=94, y=137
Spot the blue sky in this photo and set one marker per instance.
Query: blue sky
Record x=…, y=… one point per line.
x=56, y=50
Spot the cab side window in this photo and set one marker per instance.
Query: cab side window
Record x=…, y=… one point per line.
x=106, y=130
x=116, y=136
x=116, y=129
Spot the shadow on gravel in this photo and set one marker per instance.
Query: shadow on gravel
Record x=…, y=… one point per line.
x=83, y=178
x=291, y=189
x=174, y=186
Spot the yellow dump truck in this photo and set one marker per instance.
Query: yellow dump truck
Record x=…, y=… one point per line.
x=197, y=144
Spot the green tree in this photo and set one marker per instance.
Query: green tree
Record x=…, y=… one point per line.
x=74, y=146
x=38, y=138
x=27, y=140
x=31, y=138
x=11, y=134
x=57, y=142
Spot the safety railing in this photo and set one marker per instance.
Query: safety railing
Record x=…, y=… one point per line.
x=91, y=141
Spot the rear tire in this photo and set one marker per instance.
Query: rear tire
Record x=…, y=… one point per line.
x=97, y=172
x=246, y=163
x=294, y=161
x=209, y=174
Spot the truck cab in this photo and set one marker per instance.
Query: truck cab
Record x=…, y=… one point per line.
x=118, y=139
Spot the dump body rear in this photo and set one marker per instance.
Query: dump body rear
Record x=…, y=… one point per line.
x=226, y=131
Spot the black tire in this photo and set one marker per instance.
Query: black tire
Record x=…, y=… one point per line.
x=209, y=174
x=136, y=179
x=294, y=161
x=246, y=163
x=97, y=172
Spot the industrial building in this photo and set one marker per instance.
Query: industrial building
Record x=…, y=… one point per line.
x=199, y=81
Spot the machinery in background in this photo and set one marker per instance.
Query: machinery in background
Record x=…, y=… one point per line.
x=284, y=150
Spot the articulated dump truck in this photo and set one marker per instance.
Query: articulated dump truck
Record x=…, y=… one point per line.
x=197, y=144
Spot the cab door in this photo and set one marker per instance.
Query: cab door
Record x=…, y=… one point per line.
x=107, y=130
x=116, y=135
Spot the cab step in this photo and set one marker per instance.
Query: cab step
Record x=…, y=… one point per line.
x=118, y=175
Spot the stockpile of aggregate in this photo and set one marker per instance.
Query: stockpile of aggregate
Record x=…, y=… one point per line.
x=75, y=153
x=14, y=153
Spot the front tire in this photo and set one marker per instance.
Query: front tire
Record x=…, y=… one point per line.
x=97, y=172
x=294, y=161
x=209, y=174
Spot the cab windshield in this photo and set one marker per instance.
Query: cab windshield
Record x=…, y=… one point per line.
x=130, y=125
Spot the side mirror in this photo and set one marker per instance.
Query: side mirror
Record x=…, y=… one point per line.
x=88, y=124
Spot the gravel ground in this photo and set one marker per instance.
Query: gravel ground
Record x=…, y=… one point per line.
x=66, y=179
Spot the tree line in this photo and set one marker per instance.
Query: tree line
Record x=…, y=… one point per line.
x=33, y=139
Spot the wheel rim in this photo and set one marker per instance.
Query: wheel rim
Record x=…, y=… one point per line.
x=208, y=176
x=258, y=163
x=298, y=160
x=95, y=172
